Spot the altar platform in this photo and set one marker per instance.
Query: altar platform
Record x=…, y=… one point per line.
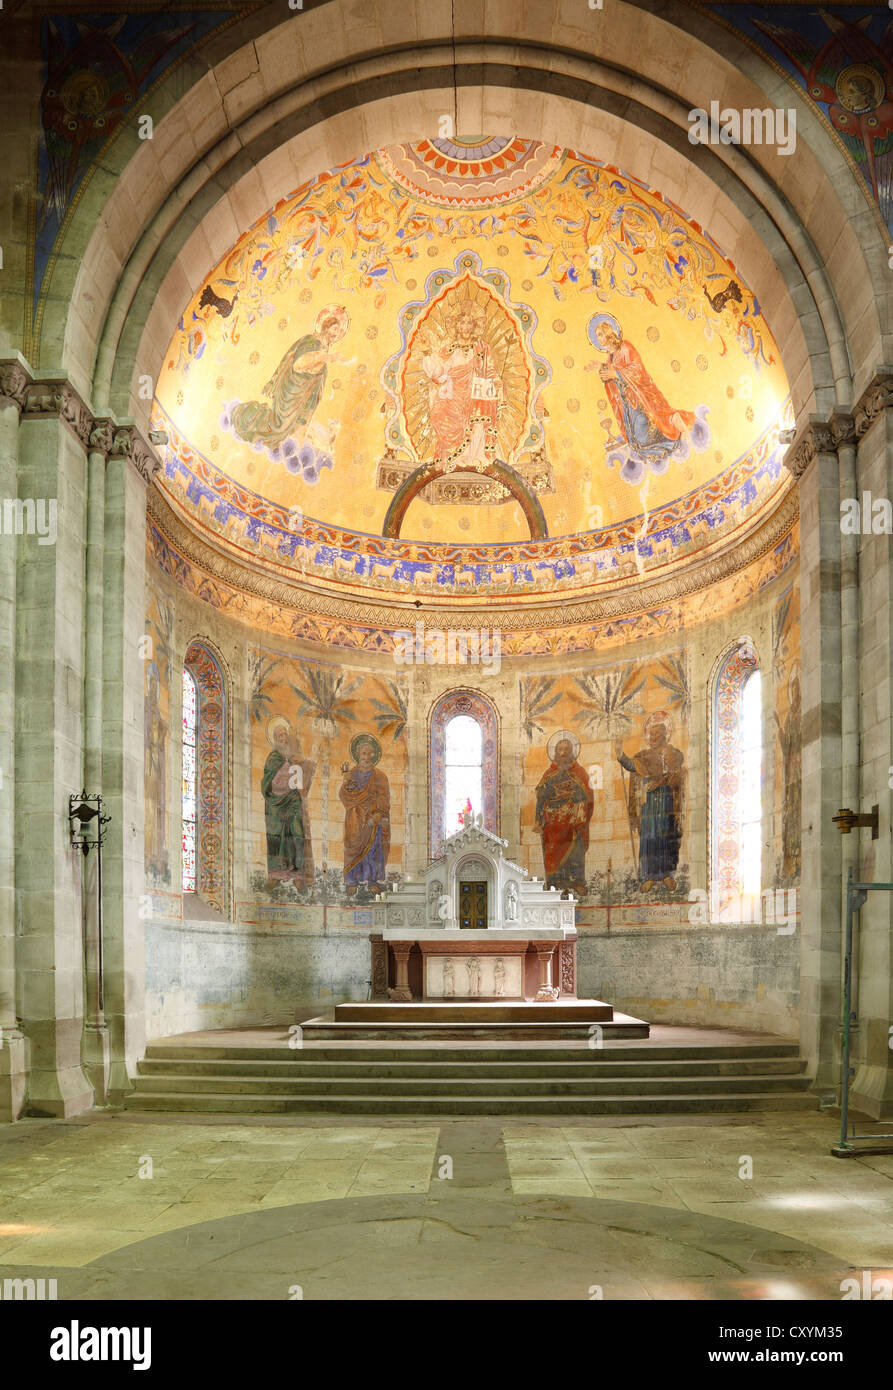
x=500, y=1020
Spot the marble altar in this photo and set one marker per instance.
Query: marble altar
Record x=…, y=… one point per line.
x=474, y=927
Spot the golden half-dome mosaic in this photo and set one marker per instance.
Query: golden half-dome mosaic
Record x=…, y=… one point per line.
x=483, y=363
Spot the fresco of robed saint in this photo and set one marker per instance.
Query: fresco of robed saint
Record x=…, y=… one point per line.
x=650, y=430
x=296, y=387
x=156, y=731
x=656, y=799
x=564, y=806
x=285, y=782
x=366, y=796
x=789, y=737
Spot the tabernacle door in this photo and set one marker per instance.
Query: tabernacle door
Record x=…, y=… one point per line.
x=473, y=906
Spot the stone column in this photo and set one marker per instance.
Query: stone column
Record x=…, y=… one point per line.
x=130, y=469
x=379, y=971
x=871, y=1089
x=402, y=993
x=547, y=992
x=96, y=1038
x=843, y=433
x=49, y=743
x=812, y=459
x=567, y=969
x=14, y=379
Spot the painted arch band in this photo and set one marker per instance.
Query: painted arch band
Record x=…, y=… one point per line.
x=418, y=480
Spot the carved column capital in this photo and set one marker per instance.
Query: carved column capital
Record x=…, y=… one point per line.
x=843, y=428
x=813, y=438
x=817, y=436
x=59, y=399
x=14, y=382
x=102, y=437
x=127, y=443
x=875, y=399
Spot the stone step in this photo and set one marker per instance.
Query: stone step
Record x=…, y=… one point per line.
x=423, y=1087
x=415, y=1052
x=423, y=1106
x=501, y=1034
x=579, y=1011
x=298, y=1065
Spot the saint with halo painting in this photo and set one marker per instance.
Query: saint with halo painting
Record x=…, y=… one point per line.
x=650, y=432
x=564, y=806
x=283, y=426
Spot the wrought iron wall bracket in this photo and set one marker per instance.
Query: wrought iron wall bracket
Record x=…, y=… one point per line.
x=81, y=811
x=846, y=820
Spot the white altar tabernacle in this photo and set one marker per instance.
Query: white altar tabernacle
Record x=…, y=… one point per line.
x=474, y=928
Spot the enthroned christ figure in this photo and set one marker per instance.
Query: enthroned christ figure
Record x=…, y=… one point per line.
x=564, y=805
x=466, y=390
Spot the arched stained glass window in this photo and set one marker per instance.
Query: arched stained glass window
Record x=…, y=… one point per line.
x=736, y=787
x=750, y=754
x=204, y=777
x=463, y=764
x=463, y=780
x=190, y=721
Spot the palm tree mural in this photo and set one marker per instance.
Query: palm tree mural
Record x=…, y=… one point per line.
x=164, y=636
x=609, y=706
x=671, y=674
x=536, y=699
x=609, y=702
x=260, y=669
x=783, y=615
x=391, y=715
x=326, y=697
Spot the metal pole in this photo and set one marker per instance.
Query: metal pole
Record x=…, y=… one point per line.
x=856, y=896
x=847, y=962
x=100, y=984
